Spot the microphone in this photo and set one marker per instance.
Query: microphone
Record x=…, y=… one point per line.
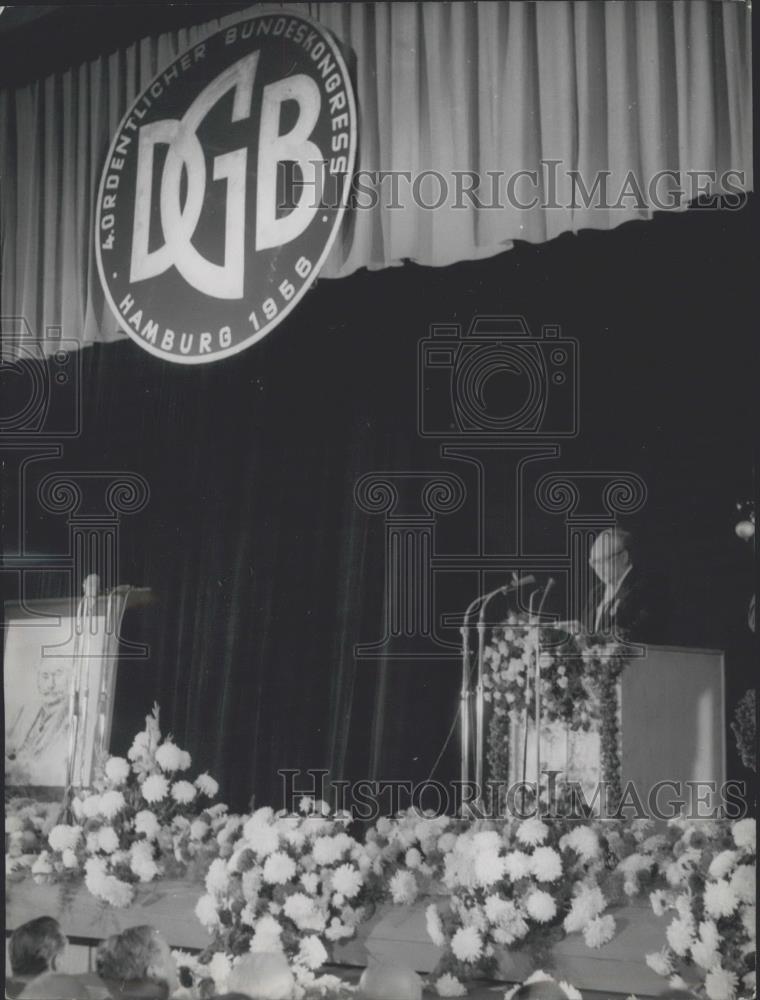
x=518, y=581
x=549, y=584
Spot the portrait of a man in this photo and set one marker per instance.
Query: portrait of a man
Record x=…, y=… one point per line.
x=36, y=740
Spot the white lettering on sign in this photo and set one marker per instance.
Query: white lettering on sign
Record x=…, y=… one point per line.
x=223, y=281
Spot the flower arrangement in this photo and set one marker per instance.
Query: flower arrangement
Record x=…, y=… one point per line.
x=139, y=820
x=707, y=874
x=287, y=883
x=578, y=688
x=502, y=884
x=27, y=825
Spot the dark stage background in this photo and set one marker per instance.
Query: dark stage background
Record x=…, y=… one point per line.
x=266, y=573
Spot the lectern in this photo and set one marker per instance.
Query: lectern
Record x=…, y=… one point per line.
x=671, y=703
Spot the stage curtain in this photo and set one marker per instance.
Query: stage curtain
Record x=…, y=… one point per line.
x=445, y=87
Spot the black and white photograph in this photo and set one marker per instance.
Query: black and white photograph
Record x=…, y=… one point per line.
x=380, y=452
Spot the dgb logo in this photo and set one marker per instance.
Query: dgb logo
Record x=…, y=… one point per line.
x=225, y=186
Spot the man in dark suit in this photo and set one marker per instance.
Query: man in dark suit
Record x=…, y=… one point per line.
x=625, y=603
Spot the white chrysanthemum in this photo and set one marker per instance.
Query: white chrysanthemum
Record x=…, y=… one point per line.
x=583, y=840
x=303, y=911
x=546, y=864
x=540, y=906
x=532, y=831
x=219, y=969
x=262, y=839
x=140, y=746
x=660, y=962
x=680, y=936
x=279, y=868
x=310, y=882
x=198, y=829
x=486, y=840
x=587, y=904
x=403, y=886
x=108, y=839
x=111, y=803
x=91, y=806
x=338, y=930
x=488, y=867
x=63, y=837
x=117, y=770
x=449, y=986
x=206, y=912
x=266, y=935
x=720, y=899
x=147, y=823
x=744, y=833
x=155, y=788
x=446, y=842
x=434, y=926
x=183, y=792
x=327, y=850
x=749, y=982
x=169, y=756
x=658, y=899
x=678, y=983
x=721, y=984
x=722, y=864
x=412, y=858
x=69, y=858
x=119, y=894
x=347, y=880
x=517, y=865
x=217, y=877
x=744, y=883
x=749, y=921
x=207, y=785
x=42, y=864
x=311, y=952
x=704, y=954
x=599, y=931
x=467, y=945
x=141, y=861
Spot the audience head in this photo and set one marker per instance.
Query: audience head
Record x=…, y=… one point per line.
x=386, y=981
x=138, y=953
x=264, y=975
x=35, y=947
x=611, y=554
x=55, y=986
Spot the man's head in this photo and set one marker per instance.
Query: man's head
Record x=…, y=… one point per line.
x=35, y=947
x=138, y=953
x=610, y=555
x=52, y=676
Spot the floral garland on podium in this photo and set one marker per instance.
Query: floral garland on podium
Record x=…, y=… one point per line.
x=579, y=683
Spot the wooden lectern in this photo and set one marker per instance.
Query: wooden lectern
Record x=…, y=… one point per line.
x=671, y=724
x=672, y=703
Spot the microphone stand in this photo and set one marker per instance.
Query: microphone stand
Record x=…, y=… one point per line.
x=466, y=693
x=536, y=633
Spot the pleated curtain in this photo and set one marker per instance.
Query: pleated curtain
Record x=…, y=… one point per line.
x=622, y=87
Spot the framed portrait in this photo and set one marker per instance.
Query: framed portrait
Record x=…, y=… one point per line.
x=46, y=657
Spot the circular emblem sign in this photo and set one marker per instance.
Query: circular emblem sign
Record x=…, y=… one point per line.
x=225, y=187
